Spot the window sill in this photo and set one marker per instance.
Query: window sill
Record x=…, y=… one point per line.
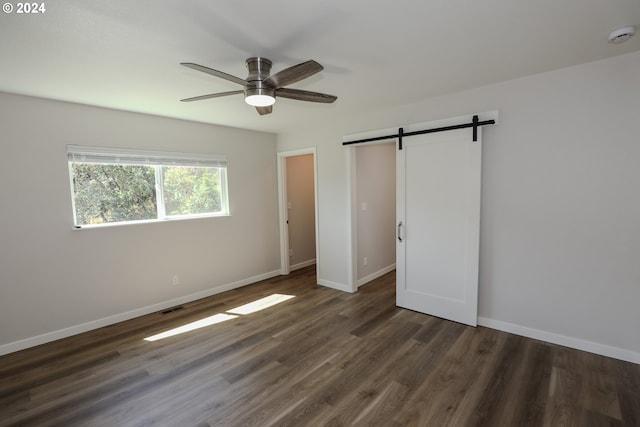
x=147, y=221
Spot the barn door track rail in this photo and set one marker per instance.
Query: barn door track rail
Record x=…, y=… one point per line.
x=475, y=123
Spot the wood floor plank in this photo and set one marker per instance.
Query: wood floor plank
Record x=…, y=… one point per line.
x=450, y=393
x=491, y=409
x=628, y=389
x=321, y=358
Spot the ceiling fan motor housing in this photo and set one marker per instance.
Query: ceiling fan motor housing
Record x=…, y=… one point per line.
x=259, y=70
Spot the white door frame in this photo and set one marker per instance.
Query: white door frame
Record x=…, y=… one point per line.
x=282, y=205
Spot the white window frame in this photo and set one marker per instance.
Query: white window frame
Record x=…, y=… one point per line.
x=125, y=156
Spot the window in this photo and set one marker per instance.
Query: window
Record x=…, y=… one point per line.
x=110, y=186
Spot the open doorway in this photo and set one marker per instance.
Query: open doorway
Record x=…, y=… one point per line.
x=374, y=208
x=298, y=209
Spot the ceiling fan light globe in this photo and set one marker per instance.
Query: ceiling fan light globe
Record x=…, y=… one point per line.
x=260, y=100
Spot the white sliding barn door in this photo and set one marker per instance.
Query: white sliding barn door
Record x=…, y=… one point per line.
x=438, y=219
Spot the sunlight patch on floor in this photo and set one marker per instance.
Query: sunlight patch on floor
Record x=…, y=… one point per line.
x=249, y=308
x=260, y=304
x=207, y=321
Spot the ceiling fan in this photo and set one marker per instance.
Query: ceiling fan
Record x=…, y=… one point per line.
x=261, y=89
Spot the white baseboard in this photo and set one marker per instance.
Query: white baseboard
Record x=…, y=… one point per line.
x=302, y=264
x=375, y=275
x=110, y=320
x=335, y=285
x=592, y=347
x=577, y=343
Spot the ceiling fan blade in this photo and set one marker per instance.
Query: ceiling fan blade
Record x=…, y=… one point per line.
x=216, y=73
x=293, y=74
x=264, y=110
x=305, y=95
x=212, y=95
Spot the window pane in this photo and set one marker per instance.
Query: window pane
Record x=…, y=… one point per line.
x=112, y=193
x=190, y=190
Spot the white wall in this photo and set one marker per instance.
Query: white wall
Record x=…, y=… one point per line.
x=55, y=281
x=301, y=210
x=375, y=207
x=560, y=227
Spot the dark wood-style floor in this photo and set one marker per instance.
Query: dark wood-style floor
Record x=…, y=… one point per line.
x=322, y=358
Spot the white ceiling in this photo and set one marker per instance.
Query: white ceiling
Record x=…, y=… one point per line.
x=125, y=54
